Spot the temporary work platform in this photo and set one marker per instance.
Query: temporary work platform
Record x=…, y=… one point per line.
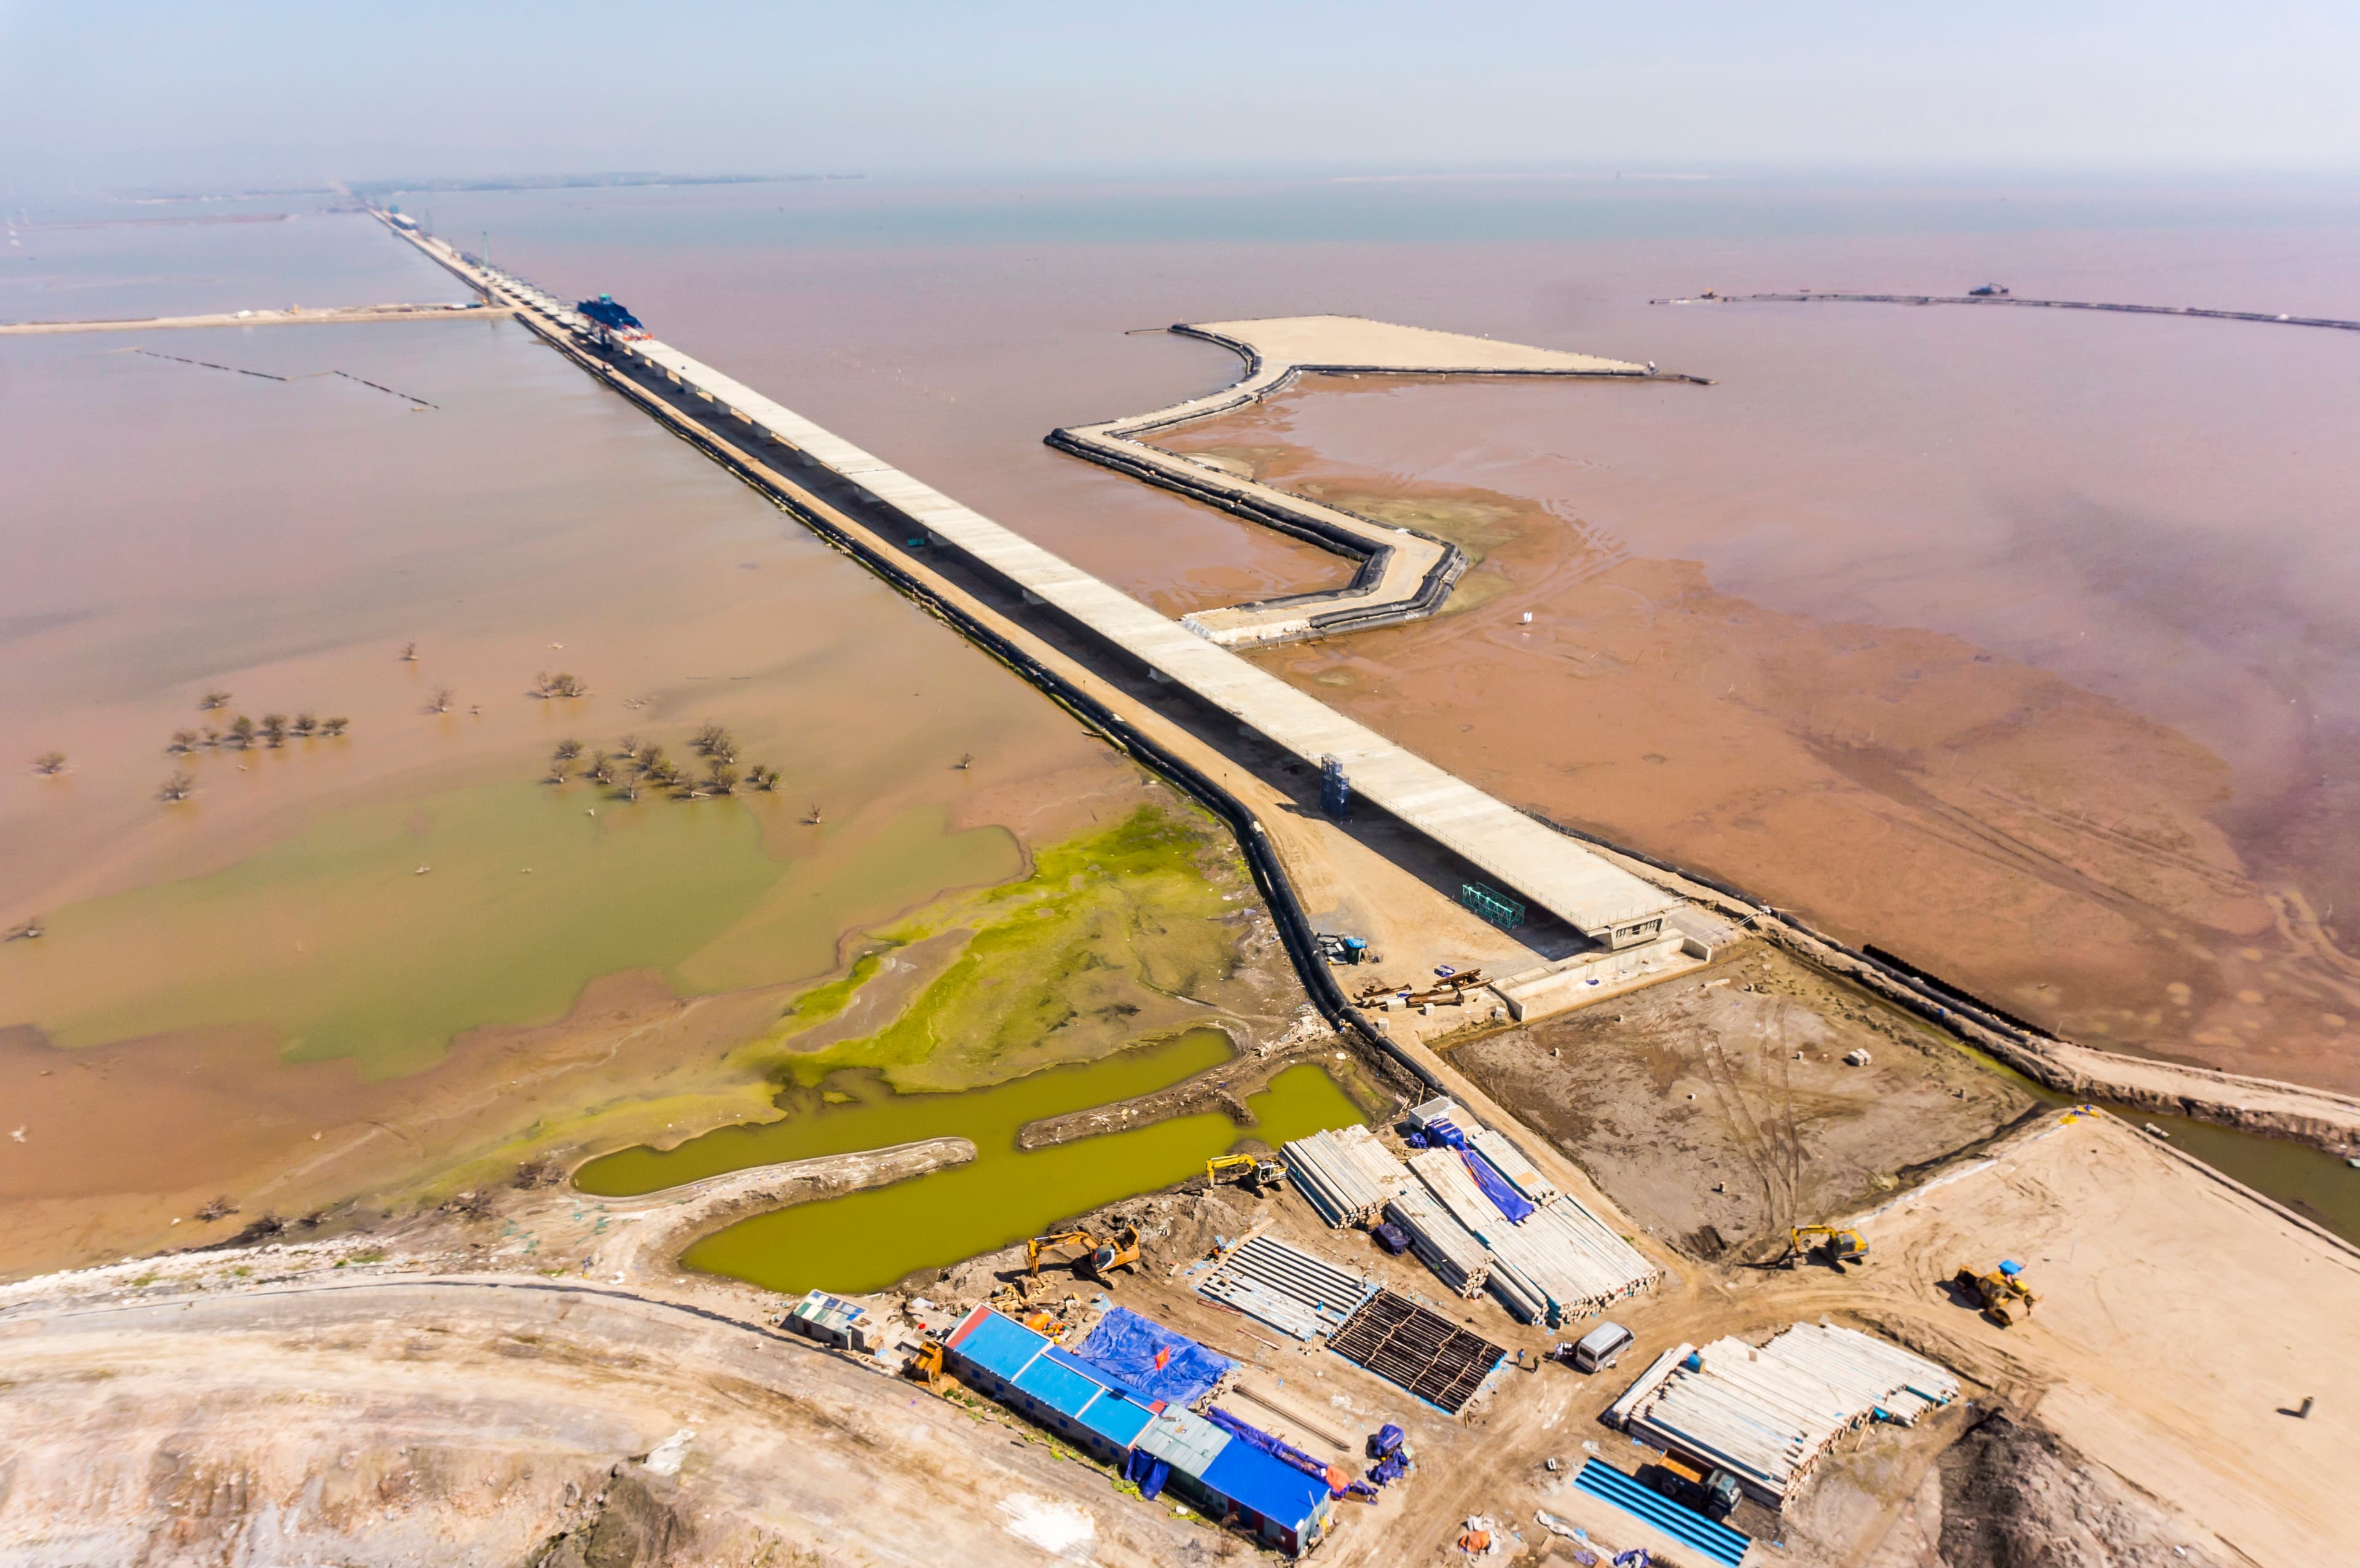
x=1767, y=1413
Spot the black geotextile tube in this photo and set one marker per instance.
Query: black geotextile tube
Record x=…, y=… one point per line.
x=1270, y=877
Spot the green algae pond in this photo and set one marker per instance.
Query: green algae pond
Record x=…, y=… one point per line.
x=866, y=1241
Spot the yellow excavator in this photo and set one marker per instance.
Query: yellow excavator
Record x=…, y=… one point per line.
x=927, y=1366
x=1257, y=1171
x=1091, y=1257
x=2002, y=1294
x=1832, y=1246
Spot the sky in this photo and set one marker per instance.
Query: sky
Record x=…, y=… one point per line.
x=102, y=96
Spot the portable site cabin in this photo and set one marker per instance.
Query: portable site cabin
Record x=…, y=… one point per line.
x=831, y=1319
x=1161, y=1445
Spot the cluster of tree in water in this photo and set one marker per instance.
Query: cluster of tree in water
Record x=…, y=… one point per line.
x=635, y=765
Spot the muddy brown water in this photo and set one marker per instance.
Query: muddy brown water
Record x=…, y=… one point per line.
x=2019, y=643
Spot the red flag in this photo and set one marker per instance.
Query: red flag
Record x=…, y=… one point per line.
x=1163, y=1358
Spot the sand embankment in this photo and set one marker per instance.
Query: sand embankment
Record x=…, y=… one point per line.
x=656, y=1227
x=1403, y=573
x=338, y=316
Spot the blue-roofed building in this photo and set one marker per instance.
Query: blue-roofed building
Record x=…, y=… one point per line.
x=1213, y=1472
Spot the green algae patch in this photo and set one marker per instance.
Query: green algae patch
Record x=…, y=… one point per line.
x=379, y=933
x=1101, y=946
x=865, y=1241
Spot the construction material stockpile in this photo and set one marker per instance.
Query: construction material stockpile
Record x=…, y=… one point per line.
x=1478, y=1213
x=1767, y=1414
x=1431, y=1357
x=1348, y=1175
x=1295, y=1292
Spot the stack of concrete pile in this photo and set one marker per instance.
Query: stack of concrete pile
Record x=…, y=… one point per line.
x=1557, y=1264
x=1455, y=1252
x=1767, y=1414
x=1293, y=1290
x=1513, y=1167
x=1348, y=1175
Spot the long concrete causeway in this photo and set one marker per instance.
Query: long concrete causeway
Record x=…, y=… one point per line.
x=1606, y=904
x=1603, y=902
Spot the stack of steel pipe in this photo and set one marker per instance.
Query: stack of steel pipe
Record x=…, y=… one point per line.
x=1557, y=1264
x=1441, y=1243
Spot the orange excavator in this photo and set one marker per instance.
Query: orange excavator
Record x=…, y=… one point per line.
x=1090, y=1257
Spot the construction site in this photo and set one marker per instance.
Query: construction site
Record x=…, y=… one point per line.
x=1672, y=1233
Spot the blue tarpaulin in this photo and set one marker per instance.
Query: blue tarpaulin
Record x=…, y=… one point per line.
x=1147, y=1472
x=1504, y=1198
x=1127, y=1346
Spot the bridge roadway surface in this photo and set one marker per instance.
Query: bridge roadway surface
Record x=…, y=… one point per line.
x=1547, y=869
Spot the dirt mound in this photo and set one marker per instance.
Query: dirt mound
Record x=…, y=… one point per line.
x=2015, y=1495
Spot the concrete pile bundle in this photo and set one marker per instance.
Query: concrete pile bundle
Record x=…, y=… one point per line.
x=1767, y=1414
x=1557, y=1265
x=1295, y=1292
x=1515, y=1169
x=1441, y=1243
x=1346, y=1175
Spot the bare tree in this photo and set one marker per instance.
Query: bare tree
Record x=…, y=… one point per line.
x=408, y=653
x=601, y=770
x=183, y=742
x=305, y=725
x=558, y=685
x=812, y=819
x=712, y=741
x=628, y=747
x=218, y=1208
x=213, y=699
x=241, y=733
x=966, y=761
x=49, y=763
x=274, y=730
x=178, y=787
x=567, y=750
x=648, y=758
x=441, y=702
x=332, y=728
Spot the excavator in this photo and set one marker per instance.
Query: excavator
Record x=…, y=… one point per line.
x=927, y=1366
x=1093, y=1258
x=1832, y=1246
x=1258, y=1171
x=2002, y=1294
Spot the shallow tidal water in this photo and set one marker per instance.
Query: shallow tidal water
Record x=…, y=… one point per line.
x=865, y=1241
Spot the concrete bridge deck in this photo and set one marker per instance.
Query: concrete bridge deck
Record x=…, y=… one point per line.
x=1601, y=900
x=1404, y=575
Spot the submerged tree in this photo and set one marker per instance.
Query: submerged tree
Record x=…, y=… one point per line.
x=558, y=685
x=274, y=730
x=241, y=733
x=183, y=742
x=211, y=699
x=178, y=787
x=763, y=776
x=305, y=725
x=441, y=702
x=567, y=750
x=715, y=742
x=332, y=728
x=724, y=777
x=410, y=653
x=49, y=763
x=601, y=770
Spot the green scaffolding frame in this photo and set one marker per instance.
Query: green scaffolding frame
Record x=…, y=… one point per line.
x=1497, y=907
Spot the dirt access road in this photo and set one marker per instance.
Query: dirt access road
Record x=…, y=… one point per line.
x=500, y=1421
